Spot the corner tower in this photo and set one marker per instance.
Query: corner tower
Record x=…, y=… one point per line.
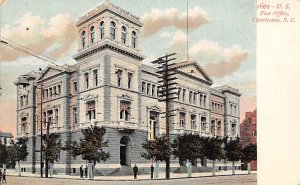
x=109, y=27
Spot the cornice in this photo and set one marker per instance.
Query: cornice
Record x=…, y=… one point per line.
x=107, y=45
x=111, y=8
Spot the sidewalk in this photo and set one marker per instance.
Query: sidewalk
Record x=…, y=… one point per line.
x=140, y=177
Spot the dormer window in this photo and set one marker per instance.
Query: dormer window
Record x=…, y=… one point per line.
x=123, y=35
x=112, y=30
x=101, y=28
x=92, y=35
x=83, y=41
x=133, y=39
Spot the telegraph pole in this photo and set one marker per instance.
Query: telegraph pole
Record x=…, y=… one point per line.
x=165, y=93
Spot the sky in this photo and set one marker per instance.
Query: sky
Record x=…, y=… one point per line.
x=221, y=38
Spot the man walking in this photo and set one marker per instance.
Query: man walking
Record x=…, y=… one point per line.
x=135, y=171
x=81, y=171
x=4, y=176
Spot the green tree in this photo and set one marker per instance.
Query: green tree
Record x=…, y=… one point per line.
x=91, y=146
x=187, y=147
x=249, y=154
x=3, y=153
x=51, y=151
x=233, y=151
x=157, y=150
x=17, y=152
x=213, y=150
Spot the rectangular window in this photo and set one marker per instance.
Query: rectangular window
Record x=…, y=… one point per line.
x=182, y=120
x=148, y=88
x=54, y=91
x=74, y=116
x=21, y=101
x=50, y=117
x=219, y=128
x=153, y=124
x=129, y=80
x=56, y=116
x=90, y=110
x=74, y=87
x=201, y=100
x=95, y=78
x=212, y=129
x=194, y=98
x=204, y=100
x=59, y=89
x=143, y=87
x=190, y=97
x=183, y=95
x=203, y=124
x=86, y=80
x=23, y=124
x=153, y=90
x=119, y=77
x=125, y=110
x=51, y=93
x=179, y=91
x=193, y=122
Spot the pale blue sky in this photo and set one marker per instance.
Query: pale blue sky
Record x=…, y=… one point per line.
x=229, y=35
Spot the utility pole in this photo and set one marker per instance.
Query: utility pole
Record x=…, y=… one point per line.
x=166, y=94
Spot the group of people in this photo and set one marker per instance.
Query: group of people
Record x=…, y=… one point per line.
x=2, y=176
x=85, y=170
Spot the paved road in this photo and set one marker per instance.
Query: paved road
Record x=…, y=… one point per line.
x=223, y=180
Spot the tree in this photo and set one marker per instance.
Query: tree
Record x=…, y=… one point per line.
x=51, y=151
x=249, y=154
x=213, y=150
x=91, y=146
x=233, y=152
x=157, y=150
x=17, y=152
x=3, y=153
x=187, y=147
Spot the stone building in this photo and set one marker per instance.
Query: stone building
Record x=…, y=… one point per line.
x=110, y=87
x=249, y=132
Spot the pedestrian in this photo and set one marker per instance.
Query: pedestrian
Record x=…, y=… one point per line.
x=152, y=170
x=85, y=171
x=0, y=176
x=4, y=176
x=135, y=171
x=81, y=171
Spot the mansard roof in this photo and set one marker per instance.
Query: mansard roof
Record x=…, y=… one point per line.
x=107, y=6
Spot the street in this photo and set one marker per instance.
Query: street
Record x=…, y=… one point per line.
x=226, y=180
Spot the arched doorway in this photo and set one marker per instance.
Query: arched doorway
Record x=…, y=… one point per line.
x=124, y=151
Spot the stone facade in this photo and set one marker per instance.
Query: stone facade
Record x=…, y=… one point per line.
x=249, y=132
x=110, y=87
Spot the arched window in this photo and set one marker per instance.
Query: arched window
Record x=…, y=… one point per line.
x=83, y=41
x=123, y=35
x=112, y=30
x=101, y=28
x=133, y=39
x=92, y=35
